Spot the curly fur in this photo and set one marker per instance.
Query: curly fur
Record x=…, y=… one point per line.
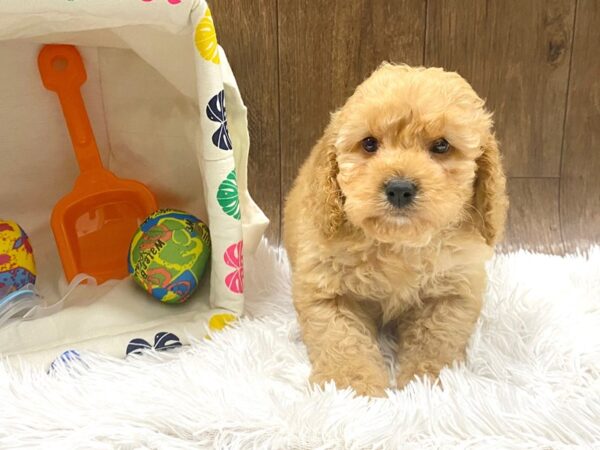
x=359, y=264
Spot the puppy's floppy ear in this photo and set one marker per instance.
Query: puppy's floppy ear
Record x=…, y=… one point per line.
x=329, y=211
x=490, y=200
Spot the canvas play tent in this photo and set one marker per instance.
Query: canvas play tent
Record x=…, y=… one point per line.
x=165, y=110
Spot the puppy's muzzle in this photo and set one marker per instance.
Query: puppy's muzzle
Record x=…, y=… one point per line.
x=400, y=192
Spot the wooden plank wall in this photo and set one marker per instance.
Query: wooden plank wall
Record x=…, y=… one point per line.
x=535, y=61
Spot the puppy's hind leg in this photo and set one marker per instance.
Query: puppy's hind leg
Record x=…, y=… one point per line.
x=341, y=339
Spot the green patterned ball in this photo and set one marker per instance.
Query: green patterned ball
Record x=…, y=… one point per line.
x=168, y=255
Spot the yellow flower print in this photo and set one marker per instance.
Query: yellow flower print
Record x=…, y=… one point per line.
x=206, y=38
x=220, y=321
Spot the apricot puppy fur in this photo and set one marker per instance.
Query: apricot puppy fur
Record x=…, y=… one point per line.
x=390, y=222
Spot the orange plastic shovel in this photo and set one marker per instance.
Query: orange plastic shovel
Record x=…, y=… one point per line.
x=94, y=223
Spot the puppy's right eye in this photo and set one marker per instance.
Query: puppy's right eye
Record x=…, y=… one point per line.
x=370, y=144
x=440, y=146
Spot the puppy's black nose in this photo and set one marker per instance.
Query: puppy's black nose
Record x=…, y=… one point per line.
x=400, y=192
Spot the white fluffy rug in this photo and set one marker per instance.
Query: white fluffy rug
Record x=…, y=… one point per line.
x=532, y=380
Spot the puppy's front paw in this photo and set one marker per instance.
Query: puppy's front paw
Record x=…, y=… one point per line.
x=370, y=385
x=408, y=374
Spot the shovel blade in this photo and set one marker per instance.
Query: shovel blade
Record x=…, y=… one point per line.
x=93, y=233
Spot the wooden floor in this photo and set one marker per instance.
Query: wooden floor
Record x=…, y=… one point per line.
x=537, y=62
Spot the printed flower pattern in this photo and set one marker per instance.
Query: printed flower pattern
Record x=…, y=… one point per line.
x=227, y=196
x=65, y=359
x=205, y=38
x=234, y=257
x=162, y=341
x=220, y=321
x=215, y=111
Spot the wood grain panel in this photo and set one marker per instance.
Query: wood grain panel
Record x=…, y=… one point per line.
x=516, y=54
x=533, y=218
x=580, y=181
x=247, y=30
x=326, y=48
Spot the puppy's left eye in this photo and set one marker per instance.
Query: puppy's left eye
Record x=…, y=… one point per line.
x=370, y=144
x=439, y=146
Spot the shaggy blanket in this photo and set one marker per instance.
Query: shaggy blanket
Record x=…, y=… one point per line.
x=532, y=379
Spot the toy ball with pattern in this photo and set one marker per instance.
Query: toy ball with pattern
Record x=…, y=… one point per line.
x=168, y=255
x=17, y=266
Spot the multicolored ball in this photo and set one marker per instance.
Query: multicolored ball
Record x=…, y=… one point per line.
x=168, y=255
x=17, y=266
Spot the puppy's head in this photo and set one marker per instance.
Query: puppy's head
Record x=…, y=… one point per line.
x=410, y=153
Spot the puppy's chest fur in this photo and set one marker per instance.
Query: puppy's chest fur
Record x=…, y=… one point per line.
x=397, y=277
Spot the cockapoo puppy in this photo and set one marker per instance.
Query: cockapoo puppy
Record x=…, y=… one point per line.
x=389, y=223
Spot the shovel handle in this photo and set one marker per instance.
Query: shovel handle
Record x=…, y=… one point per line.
x=62, y=71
